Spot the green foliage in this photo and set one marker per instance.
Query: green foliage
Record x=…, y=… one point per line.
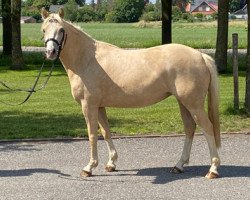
x=85, y=14
x=101, y=11
x=70, y=9
x=151, y=16
x=199, y=16
x=188, y=17
x=126, y=11
x=215, y=16
x=31, y=12
x=151, y=13
x=234, y=5
x=176, y=13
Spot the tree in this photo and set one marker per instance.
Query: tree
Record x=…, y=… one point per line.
x=7, y=33
x=181, y=4
x=166, y=21
x=70, y=10
x=234, y=5
x=126, y=11
x=247, y=95
x=17, y=58
x=222, y=36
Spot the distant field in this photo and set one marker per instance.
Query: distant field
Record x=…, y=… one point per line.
x=197, y=35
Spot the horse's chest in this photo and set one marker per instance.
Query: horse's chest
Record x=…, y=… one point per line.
x=77, y=87
x=77, y=91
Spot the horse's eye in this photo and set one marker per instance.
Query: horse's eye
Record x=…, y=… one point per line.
x=43, y=31
x=61, y=30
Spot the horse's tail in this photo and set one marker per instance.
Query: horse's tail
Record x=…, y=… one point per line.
x=213, y=102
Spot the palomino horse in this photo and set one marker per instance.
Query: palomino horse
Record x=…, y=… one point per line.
x=102, y=75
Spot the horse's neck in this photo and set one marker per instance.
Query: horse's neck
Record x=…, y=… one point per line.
x=78, y=49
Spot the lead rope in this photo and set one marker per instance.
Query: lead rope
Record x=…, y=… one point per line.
x=32, y=89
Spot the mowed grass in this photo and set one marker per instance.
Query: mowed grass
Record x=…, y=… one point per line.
x=53, y=112
x=196, y=35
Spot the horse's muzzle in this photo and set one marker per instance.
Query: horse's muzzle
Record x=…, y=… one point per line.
x=51, y=54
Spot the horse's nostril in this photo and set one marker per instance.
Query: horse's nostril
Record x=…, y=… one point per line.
x=54, y=51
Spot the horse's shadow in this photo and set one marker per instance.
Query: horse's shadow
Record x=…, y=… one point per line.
x=29, y=172
x=163, y=175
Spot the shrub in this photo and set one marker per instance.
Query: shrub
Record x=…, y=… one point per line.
x=199, y=16
x=151, y=16
x=214, y=16
x=176, y=13
x=86, y=14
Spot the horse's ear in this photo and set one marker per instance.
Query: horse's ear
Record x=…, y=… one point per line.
x=61, y=13
x=44, y=13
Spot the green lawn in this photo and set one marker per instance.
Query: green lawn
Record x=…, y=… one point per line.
x=53, y=112
x=197, y=35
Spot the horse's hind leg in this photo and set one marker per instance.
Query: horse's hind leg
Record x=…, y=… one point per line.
x=189, y=128
x=201, y=118
x=103, y=123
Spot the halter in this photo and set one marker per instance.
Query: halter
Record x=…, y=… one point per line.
x=59, y=44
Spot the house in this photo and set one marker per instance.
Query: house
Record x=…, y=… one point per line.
x=205, y=7
x=55, y=8
x=27, y=19
x=242, y=13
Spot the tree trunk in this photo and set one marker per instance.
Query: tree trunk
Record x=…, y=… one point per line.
x=7, y=33
x=166, y=21
x=222, y=36
x=247, y=95
x=17, y=57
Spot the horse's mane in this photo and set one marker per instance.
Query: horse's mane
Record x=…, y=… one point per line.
x=75, y=28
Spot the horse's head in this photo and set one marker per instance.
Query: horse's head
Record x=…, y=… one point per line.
x=54, y=33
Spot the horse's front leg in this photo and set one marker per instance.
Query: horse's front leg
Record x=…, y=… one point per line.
x=91, y=116
x=103, y=123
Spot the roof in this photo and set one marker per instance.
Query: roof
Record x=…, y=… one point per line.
x=242, y=11
x=55, y=8
x=196, y=3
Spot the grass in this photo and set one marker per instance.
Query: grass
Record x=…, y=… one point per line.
x=196, y=35
x=53, y=112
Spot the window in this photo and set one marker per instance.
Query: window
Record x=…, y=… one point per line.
x=207, y=8
x=200, y=8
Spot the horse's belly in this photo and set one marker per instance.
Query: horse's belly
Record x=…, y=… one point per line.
x=124, y=100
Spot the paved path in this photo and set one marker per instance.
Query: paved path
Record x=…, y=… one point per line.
x=49, y=170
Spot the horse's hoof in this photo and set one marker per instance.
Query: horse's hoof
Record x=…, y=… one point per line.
x=212, y=175
x=85, y=174
x=109, y=168
x=176, y=170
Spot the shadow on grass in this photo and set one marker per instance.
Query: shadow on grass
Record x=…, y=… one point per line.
x=164, y=176
x=15, y=125
x=29, y=172
x=230, y=110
